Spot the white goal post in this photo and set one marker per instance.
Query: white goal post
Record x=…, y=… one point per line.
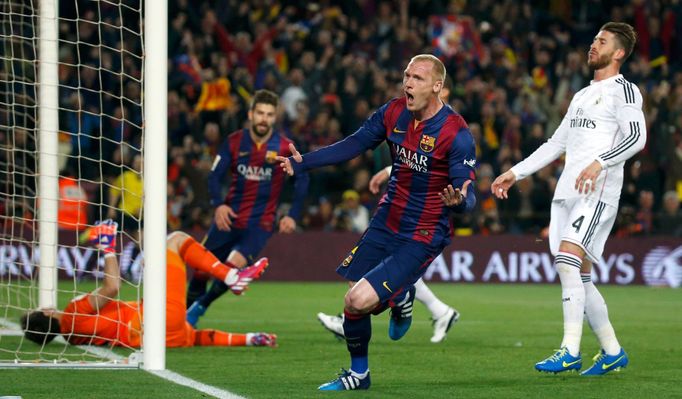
x=40, y=269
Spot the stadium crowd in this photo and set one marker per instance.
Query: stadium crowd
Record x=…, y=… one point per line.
x=514, y=66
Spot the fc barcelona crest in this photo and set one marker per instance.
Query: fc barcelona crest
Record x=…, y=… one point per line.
x=427, y=143
x=349, y=258
x=271, y=156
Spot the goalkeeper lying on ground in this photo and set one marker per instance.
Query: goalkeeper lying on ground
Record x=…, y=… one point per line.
x=99, y=319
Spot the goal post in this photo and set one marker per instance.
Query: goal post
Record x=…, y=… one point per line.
x=155, y=147
x=83, y=96
x=48, y=171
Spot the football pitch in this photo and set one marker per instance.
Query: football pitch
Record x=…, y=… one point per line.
x=503, y=331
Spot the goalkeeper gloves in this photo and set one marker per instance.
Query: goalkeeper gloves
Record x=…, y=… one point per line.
x=103, y=235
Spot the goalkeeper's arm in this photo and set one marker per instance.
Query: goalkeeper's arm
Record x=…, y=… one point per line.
x=103, y=237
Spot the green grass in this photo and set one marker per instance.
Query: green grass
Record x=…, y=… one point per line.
x=504, y=330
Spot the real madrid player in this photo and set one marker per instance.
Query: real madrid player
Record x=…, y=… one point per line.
x=604, y=126
x=433, y=156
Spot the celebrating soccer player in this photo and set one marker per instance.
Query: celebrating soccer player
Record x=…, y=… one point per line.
x=603, y=127
x=433, y=156
x=98, y=318
x=245, y=219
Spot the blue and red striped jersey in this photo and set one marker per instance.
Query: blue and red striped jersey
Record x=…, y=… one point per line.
x=426, y=158
x=255, y=178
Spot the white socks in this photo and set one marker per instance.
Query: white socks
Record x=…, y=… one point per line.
x=425, y=296
x=231, y=277
x=598, y=317
x=573, y=299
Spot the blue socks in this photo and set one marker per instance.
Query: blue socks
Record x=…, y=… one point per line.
x=358, y=331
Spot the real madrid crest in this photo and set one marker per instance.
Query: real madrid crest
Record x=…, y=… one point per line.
x=427, y=144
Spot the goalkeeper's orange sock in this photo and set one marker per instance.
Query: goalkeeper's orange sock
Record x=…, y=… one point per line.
x=219, y=338
x=198, y=257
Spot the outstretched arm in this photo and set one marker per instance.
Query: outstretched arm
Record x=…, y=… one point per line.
x=103, y=237
x=341, y=151
x=541, y=157
x=369, y=135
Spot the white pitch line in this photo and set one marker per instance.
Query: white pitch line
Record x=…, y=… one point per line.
x=188, y=382
x=167, y=375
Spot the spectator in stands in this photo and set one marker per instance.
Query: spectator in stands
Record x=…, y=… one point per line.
x=669, y=219
x=645, y=214
x=74, y=206
x=126, y=197
x=350, y=215
x=516, y=61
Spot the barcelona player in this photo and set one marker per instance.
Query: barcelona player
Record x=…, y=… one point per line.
x=433, y=166
x=97, y=318
x=245, y=219
x=443, y=316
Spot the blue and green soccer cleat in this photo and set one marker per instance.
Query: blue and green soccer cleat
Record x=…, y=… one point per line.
x=401, y=316
x=560, y=361
x=604, y=363
x=346, y=381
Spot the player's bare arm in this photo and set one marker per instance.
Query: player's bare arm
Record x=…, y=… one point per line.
x=378, y=179
x=502, y=184
x=454, y=196
x=285, y=163
x=586, y=179
x=223, y=217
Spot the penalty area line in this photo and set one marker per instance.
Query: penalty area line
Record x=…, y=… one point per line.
x=11, y=328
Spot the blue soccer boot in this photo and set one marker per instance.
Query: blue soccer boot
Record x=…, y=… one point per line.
x=401, y=316
x=346, y=381
x=604, y=363
x=560, y=361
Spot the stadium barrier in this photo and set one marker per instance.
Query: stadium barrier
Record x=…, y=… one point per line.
x=313, y=256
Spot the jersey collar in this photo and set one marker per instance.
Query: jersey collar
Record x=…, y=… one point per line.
x=612, y=78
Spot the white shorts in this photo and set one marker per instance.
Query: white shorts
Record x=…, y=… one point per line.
x=586, y=223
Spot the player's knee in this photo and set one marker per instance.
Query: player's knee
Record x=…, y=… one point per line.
x=563, y=268
x=356, y=303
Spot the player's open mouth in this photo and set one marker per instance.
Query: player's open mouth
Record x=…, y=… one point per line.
x=410, y=98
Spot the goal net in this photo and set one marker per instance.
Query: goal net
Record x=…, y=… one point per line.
x=71, y=153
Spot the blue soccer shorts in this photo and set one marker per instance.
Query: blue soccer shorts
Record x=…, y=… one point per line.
x=391, y=265
x=248, y=242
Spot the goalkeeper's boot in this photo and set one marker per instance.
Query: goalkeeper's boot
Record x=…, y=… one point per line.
x=263, y=339
x=346, y=381
x=333, y=324
x=560, y=361
x=604, y=363
x=442, y=325
x=195, y=312
x=401, y=316
x=248, y=274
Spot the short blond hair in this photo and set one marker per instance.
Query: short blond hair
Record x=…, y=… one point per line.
x=438, y=67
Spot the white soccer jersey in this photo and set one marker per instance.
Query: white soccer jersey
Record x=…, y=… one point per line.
x=604, y=122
